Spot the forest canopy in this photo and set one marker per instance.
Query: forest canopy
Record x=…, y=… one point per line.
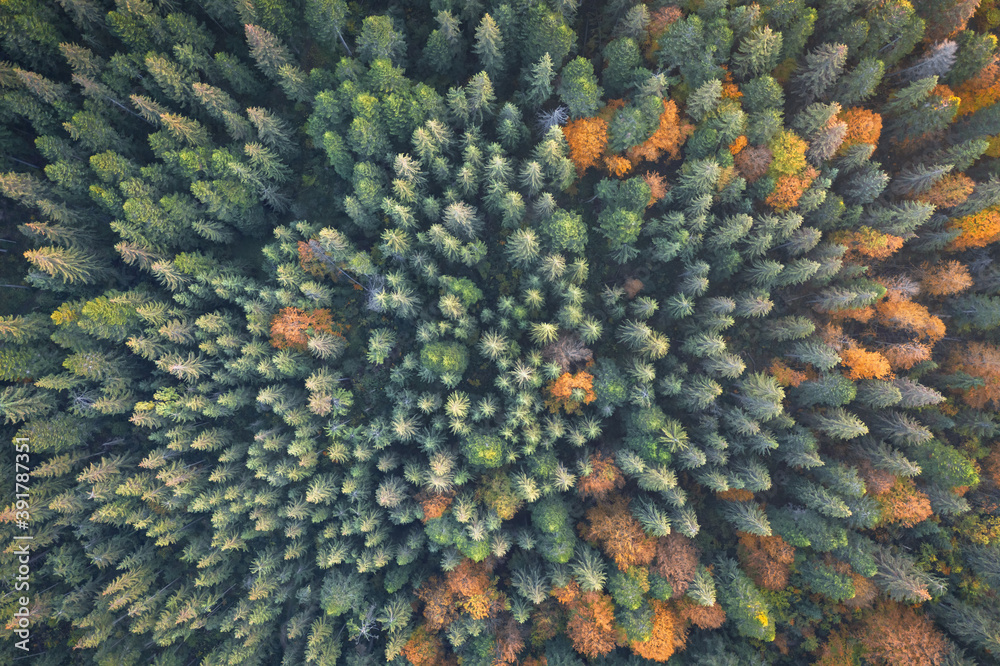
x=538, y=332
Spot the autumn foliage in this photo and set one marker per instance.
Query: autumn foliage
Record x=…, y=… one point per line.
x=591, y=626
x=863, y=126
x=900, y=635
x=473, y=589
x=867, y=242
x=439, y=604
x=611, y=525
x=905, y=355
x=789, y=190
x=945, y=278
x=657, y=186
x=663, y=641
x=734, y=495
x=434, y=504
x=982, y=361
x=425, y=648
x=864, y=364
x=659, y=20
x=766, y=560
x=667, y=140
x=509, y=643
x=587, y=139
x=617, y=166
x=951, y=190
x=292, y=327
x=904, y=504
x=877, y=481
x=309, y=262
x=949, y=18
x=703, y=617
x=571, y=391
x=977, y=230
x=980, y=91
x=912, y=317
x=467, y=588
x=604, y=477
x=785, y=375
x=753, y=162
x=677, y=561
x=738, y=145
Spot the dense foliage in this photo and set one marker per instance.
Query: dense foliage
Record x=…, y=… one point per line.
x=484, y=333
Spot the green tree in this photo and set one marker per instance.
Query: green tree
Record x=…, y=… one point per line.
x=621, y=58
x=819, y=71
x=489, y=46
x=379, y=40
x=758, y=53
x=578, y=88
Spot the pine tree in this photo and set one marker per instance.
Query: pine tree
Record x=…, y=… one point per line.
x=758, y=53
x=68, y=264
x=267, y=50
x=327, y=18
x=820, y=71
x=539, y=81
x=578, y=88
x=489, y=46
x=379, y=40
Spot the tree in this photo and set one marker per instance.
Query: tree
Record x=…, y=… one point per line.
x=546, y=31
x=766, y=559
x=819, y=71
x=901, y=580
x=571, y=391
x=379, y=40
x=828, y=581
x=70, y=265
x=621, y=58
x=539, y=81
x=267, y=50
x=758, y=53
x=292, y=328
x=832, y=389
x=744, y=604
x=578, y=88
x=897, y=634
x=444, y=357
x=327, y=17
x=860, y=83
x=663, y=640
x=591, y=624
x=603, y=477
x=904, y=504
x=667, y=139
x=976, y=311
x=977, y=230
x=839, y=424
x=864, y=364
x=587, y=139
x=612, y=526
x=19, y=403
x=489, y=46
x=971, y=623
